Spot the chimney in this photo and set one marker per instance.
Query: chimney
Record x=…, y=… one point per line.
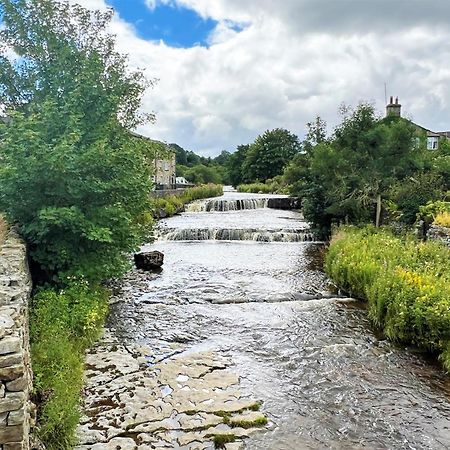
x=392, y=108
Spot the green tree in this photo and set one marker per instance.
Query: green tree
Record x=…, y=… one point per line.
x=235, y=164
x=72, y=179
x=269, y=155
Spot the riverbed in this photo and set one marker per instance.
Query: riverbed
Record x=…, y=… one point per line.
x=252, y=306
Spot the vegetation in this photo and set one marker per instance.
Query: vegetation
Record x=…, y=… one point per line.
x=443, y=219
x=73, y=180
x=173, y=204
x=63, y=324
x=406, y=282
x=70, y=101
x=220, y=440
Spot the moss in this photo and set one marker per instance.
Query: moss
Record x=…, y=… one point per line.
x=221, y=439
x=257, y=423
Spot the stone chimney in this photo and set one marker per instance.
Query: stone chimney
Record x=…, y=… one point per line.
x=394, y=108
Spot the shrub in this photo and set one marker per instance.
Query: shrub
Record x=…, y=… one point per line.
x=443, y=219
x=407, y=284
x=62, y=325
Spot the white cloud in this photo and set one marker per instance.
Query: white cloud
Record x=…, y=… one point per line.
x=293, y=60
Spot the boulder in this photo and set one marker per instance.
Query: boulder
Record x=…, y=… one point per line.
x=149, y=260
x=284, y=203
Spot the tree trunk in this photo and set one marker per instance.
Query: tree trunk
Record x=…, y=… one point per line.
x=378, y=216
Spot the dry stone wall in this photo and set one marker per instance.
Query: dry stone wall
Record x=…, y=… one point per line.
x=15, y=368
x=440, y=234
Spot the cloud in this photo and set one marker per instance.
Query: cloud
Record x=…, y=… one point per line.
x=291, y=61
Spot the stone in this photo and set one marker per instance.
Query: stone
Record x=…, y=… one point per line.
x=12, y=373
x=16, y=417
x=284, y=203
x=10, y=344
x=149, y=260
x=14, y=446
x=2, y=390
x=11, y=434
x=3, y=419
x=12, y=402
x=13, y=359
x=20, y=384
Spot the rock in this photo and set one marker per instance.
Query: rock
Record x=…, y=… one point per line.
x=149, y=260
x=12, y=372
x=10, y=344
x=10, y=360
x=284, y=203
x=11, y=434
x=12, y=402
x=14, y=446
x=16, y=417
x=17, y=385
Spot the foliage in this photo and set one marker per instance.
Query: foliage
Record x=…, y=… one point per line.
x=62, y=325
x=72, y=179
x=341, y=178
x=443, y=219
x=173, y=204
x=411, y=193
x=431, y=210
x=236, y=163
x=407, y=284
x=273, y=186
x=269, y=154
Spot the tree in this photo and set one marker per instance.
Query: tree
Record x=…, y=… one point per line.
x=235, y=164
x=269, y=155
x=72, y=178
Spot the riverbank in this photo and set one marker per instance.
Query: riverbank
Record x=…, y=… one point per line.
x=163, y=207
x=406, y=283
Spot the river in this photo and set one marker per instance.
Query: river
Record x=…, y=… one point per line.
x=243, y=283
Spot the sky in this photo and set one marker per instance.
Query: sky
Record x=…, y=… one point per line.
x=228, y=70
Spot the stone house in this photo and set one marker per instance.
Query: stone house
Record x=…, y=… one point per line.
x=163, y=163
x=433, y=137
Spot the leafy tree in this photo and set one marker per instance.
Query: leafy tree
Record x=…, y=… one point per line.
x=269, y=155
x=72, y=179
x=235, y=165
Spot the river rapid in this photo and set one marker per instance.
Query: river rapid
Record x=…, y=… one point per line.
x=245, y=282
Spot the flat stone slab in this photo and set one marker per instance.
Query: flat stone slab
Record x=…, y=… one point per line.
x=182, y=401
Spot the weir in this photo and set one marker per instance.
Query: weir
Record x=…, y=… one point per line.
x=227, y=205
x=236, y=234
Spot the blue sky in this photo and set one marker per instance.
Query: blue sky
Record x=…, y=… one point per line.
x=175, y=25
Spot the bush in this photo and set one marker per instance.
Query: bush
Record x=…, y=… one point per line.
x=256, y=188
x=407, y=284
x=62, y=325
x=443, y=219
x=431, y=210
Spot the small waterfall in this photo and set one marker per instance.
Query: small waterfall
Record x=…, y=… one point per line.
x=227, y=205
x=233, y=234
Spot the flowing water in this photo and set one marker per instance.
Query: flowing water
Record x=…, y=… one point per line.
x=247, y=283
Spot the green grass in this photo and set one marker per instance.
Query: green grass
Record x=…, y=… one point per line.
x=168, y=206
x=406, y=282
x=62, y=325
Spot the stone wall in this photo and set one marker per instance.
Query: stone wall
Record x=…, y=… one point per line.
x=15, y=368
x=440, y=234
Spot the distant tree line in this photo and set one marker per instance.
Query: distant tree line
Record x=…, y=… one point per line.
x=369, y=169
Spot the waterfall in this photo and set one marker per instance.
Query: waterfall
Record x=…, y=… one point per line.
x=227, y=205
x=236, y=234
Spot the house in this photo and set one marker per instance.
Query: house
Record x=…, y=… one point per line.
x=163, y=160
x=433, y=138
x=181, y=182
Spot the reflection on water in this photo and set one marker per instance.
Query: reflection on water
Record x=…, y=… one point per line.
x=326, y=380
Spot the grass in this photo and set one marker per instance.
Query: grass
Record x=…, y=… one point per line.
x=256, y=188
x=257, y=423
x=406, y=282
x=169, y=206
x=63, y=324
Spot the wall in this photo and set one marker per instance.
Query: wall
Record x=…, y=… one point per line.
x=440, y=234
x=15, y=368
